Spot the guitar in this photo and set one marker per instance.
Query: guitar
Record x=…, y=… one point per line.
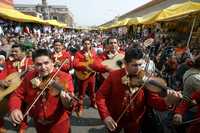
x=114, y=63
x=15, y=81
x=82, y=75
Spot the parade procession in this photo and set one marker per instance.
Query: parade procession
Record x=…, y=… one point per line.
x=74, y=66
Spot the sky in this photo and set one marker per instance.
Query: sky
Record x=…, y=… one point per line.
x=92, y=12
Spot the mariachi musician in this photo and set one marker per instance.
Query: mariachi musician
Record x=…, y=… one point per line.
x=191, y=88
x=86, y=63
x=47, y=118
x=2, y=65
x=110, y=56
x=2, y=103
x=60, y=54
x=16, y=63
x=111, y=49
x=121, y=94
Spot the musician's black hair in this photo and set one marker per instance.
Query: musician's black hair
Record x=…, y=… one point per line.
x=41, y=52
x=57, y=40
x=3, y=53
x=21, y=47
x=86, y=39
x=110, y=38
x=133, y=53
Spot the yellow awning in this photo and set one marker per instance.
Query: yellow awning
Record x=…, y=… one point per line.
x=149, y=18
x=178, y=10
x=133, y=21
x=14, y=15
x=120, y=23
x=55, y=23
x=172, y=12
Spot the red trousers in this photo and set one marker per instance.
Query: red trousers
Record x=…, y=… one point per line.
x=3, y=111
x=24, y=123
x=1, y=122
x=83, y=85
x=127, y=129
x=61, y=127
x=194, y=128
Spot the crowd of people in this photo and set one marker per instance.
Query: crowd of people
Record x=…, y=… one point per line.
x=154, y=89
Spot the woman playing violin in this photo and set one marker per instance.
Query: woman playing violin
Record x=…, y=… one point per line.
x=50, y=112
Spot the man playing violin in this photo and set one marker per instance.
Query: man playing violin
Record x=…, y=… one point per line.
x=121, y=92
x=51, y=111
x=86, y=63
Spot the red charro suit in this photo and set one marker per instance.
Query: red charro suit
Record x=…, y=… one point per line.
x=62, y=57
x=2, y=77
x=79, y=64
x=103, y=56
x=18, y=66
x=3, y=74
x=111, y=100
x=11, y=67
x=184, y=106
x=48, y=113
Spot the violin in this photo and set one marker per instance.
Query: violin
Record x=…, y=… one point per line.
x=56, y=86
x=153, y=84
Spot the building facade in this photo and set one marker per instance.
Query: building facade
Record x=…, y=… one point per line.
x=44, y=11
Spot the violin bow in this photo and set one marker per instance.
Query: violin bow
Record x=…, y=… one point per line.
x=189, y=38
x=46, y=86
x=137, y=93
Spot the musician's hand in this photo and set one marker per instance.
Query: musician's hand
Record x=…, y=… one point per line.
x=177, y=119
x=173, y=97
x=16, y=116
x=110, y=123
x=4, y=83
x=65, y=95
x=108, y=69
x=65, y=99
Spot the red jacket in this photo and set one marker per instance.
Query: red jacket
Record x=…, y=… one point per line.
x=24, y=64
x=64, y=55
x=184, y=106
x=110, y=100
x=3, y=74
x=103, y=56
x=80, y=61
x=46, y=108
